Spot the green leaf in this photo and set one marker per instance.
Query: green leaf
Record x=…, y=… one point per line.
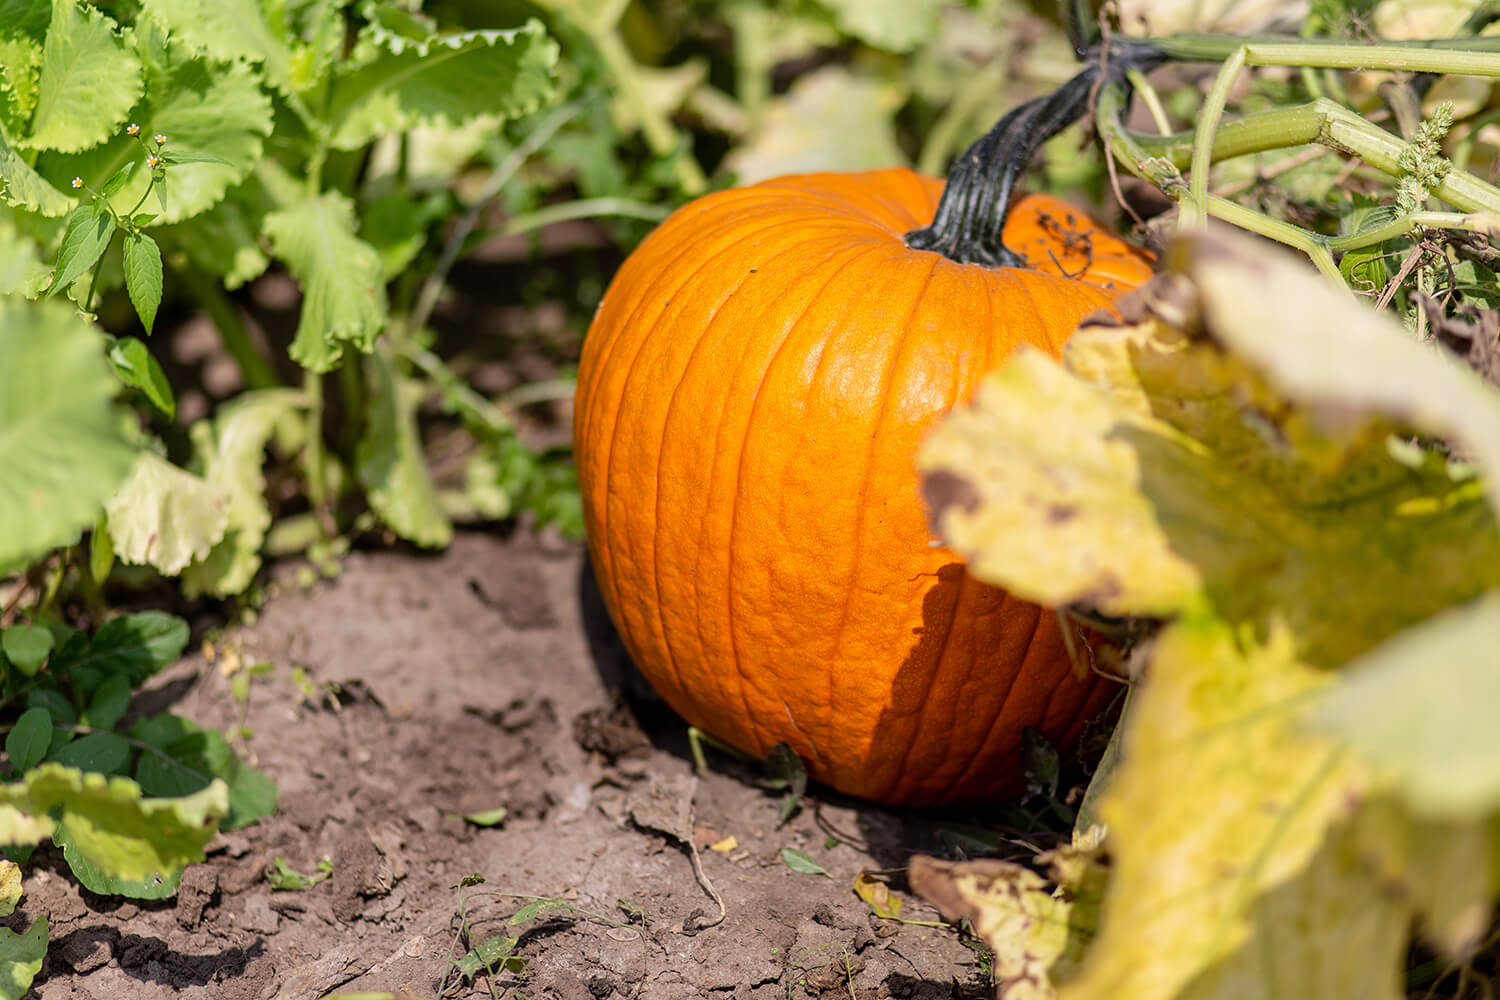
x=895, y=25
x=101, y=551
x=537, y=908
x=343, y=287
x=831, y=119
x=231, y=453
x=27, y=742
x=136, y=367
x=89, y=80
x=23, y=187
x=175, y=156
x=199, y=755
x=800, y=863
x=164, y=516
x=390, y=461
x=26, y=647
x=109, y=822
x=89, y=231
x=487, y=817
x=97, y=878
x=104, y=753
x=108, y=704
x=225, y=240
x=447, y=78
x=487, y=956
x=1421, y=706
x=283, y=878
x=20, y=268
x=62, y=449
x=143, y=276
x=21, y=958
x=201, y=107
x=118, y=178
x=135, y=646
x=225, y=32
x=1223, y=798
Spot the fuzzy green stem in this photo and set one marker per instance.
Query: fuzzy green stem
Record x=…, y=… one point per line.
x=1203, y=138
x=1488, y=224
x=1151, y=99
x=209, y=294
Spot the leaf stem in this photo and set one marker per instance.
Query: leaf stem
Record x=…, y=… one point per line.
x=583, y=208
x=209, y=294
x=1194, y=215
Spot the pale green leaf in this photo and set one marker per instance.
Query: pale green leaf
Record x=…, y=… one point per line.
x=231, y=453
x=21, y=958
x=343, y=286
x=390, y=461
x=1223, y=797
x=447, y=78
x=23, y=187
x=89, y=80
x=1332, y=931
x=801, y=863
x=20, y=269
x=61, y=447
x=200, y=106
x=109, y=821
x=897, y=25
x=20, y=73
x=1448, y=871
x=97, y=878
x=10, y=887
x=143, y=277
x=26, y=647
x=164, y=516
x=135, y=366
x=831, y=119
x=227, y=31
x=1421, y=707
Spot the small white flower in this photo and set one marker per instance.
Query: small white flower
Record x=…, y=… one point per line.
x=77, y=183
x=132, y=129
x=161, y=140
x=153, y=161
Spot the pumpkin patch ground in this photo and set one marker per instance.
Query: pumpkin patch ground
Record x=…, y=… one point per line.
x=488, y=678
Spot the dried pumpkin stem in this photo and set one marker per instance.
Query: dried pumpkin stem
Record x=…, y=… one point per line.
x=971, y=214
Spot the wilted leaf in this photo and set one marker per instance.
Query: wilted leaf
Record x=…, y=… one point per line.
x=1223, y=798
x=801, y=863
x=231, y=454
x=1422, y=706
x=487, y=956
x=877, y=895
x=10, y=887
x=165, y=516
x=1169, y=471
x=831, y=119
x=109, y=821
x=391, y=463
x=1027, y=927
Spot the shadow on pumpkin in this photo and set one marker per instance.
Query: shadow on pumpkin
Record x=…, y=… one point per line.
x=891, y=835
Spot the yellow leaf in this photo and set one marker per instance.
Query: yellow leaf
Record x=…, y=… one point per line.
x=1223, y=798
x=878, y=895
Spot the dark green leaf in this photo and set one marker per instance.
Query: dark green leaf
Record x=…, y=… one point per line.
x=137, y=368
x=143, y=276
x=27, y=742
x=84, y=241
x=62, y=711
x=198, y=755
x=136, y=645
x=786, y=772
x=104, y=753
x=26, y=646
x=109, y=703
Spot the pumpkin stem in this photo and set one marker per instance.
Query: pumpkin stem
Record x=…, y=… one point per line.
x=976, y=201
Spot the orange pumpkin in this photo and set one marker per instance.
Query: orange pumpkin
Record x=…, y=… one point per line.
x=750, y=399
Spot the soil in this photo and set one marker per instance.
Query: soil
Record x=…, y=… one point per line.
x=413, y=690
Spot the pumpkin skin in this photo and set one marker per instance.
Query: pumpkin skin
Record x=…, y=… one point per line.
x=750, y=399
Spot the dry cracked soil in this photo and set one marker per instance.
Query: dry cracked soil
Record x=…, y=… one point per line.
x=413, y=690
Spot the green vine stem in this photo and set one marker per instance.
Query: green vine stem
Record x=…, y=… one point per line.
x=209, y=294
x=1194, y=214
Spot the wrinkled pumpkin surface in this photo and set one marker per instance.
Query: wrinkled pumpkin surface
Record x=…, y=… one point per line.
x=750, y=398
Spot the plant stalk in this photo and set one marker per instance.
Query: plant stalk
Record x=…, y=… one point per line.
x=254, y=368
